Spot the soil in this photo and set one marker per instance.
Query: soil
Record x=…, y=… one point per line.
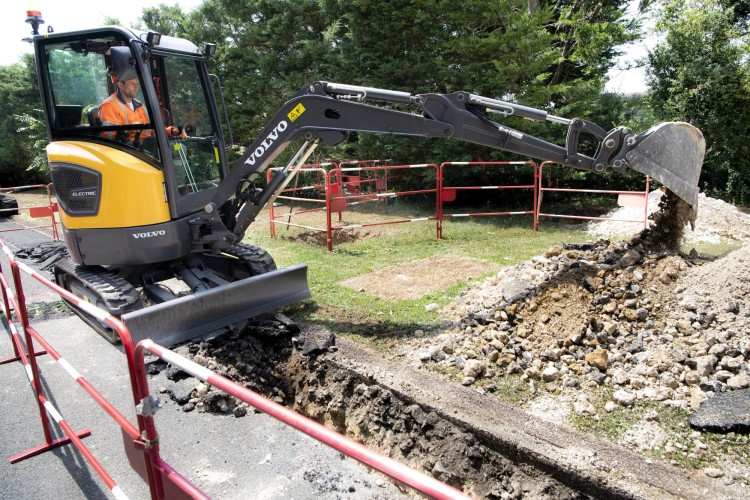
x=419, y=277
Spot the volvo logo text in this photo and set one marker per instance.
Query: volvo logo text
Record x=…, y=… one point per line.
x=150, y=234
x=267, y=143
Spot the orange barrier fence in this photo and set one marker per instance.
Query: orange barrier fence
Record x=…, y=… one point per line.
x=448, y=193
x=637, y=199
x=35, y=212
x=141, y=439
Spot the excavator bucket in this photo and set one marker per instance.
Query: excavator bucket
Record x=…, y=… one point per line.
x=182, y=319
x=671, y=153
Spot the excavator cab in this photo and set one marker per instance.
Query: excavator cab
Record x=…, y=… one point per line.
x=178, y=151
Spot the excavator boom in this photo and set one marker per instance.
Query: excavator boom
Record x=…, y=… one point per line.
x=670, y=152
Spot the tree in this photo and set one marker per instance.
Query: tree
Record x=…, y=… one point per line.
x=552, y=55
x=165, y=19
x=18, y=96
x=699, y=74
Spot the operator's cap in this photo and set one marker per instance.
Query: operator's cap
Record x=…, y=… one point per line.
x=123, y=65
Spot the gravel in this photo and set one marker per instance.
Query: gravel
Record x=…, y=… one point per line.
x=633, y=317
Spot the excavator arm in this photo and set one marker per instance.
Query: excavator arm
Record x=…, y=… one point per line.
x=670, y=152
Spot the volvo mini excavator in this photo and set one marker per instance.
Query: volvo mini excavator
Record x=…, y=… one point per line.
x=143, y=208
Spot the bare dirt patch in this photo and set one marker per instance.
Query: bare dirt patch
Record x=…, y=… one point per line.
x=420, y=277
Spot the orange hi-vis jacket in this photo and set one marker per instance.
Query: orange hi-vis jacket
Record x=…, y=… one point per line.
x=114, y=111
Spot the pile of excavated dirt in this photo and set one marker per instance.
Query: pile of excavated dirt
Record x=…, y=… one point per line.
x=633, y=317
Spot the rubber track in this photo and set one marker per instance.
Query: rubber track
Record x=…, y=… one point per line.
x=258, y=260
x=118, y=295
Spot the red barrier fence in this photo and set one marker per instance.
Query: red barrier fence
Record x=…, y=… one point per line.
x=293, y=195
x=35, y=212
x=346, y=187
x=637, y=199
x=339, y=199
x=142, y=440
x=404, y=474
x=338, y=189
x=448, y=193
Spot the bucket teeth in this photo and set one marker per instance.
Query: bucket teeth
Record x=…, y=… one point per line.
x=672, y=153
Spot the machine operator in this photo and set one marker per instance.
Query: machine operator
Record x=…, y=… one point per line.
x=123, y=108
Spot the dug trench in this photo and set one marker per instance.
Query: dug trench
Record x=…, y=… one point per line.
x=477, y=444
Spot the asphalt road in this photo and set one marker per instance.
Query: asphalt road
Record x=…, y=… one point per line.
x=248, y=457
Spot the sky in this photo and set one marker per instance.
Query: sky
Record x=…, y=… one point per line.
x=632, y=81
x=66, y=15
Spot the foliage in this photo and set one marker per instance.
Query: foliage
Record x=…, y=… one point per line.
x=31, y=125
x=550, y=55
x=18, y=97
x=699, y=73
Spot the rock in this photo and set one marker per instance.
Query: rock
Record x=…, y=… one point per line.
x=609, y=328
x=705, y=365
x=550, y=374
x=516, y=290
x=505, y=359
x=584, y=407
x=623, y=397
x=598, y=359
x=630, y=258
x=553, y=251
x=733, y=307
x=316, y=340
x=431, y=307
x=474, y=368
x=713, y=472
x=610, y=406
x=621, y=377
x=598, y=377
x=651, y=416
x=692, y=378
x=181, y=391
x=740, y=381
x=724, y=412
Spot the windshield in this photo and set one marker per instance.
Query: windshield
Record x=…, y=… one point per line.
x=86, y=99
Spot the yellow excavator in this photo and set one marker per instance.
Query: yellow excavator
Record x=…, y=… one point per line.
x=154, y=222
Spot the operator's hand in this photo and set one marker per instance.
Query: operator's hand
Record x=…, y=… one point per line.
x=176, y=132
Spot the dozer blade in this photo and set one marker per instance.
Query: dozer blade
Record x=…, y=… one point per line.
x=671, y=153
x=187, y=317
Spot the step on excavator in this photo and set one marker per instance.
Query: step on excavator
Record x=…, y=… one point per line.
x=154, y=218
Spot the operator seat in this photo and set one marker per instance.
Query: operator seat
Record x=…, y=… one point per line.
x=92, y=113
